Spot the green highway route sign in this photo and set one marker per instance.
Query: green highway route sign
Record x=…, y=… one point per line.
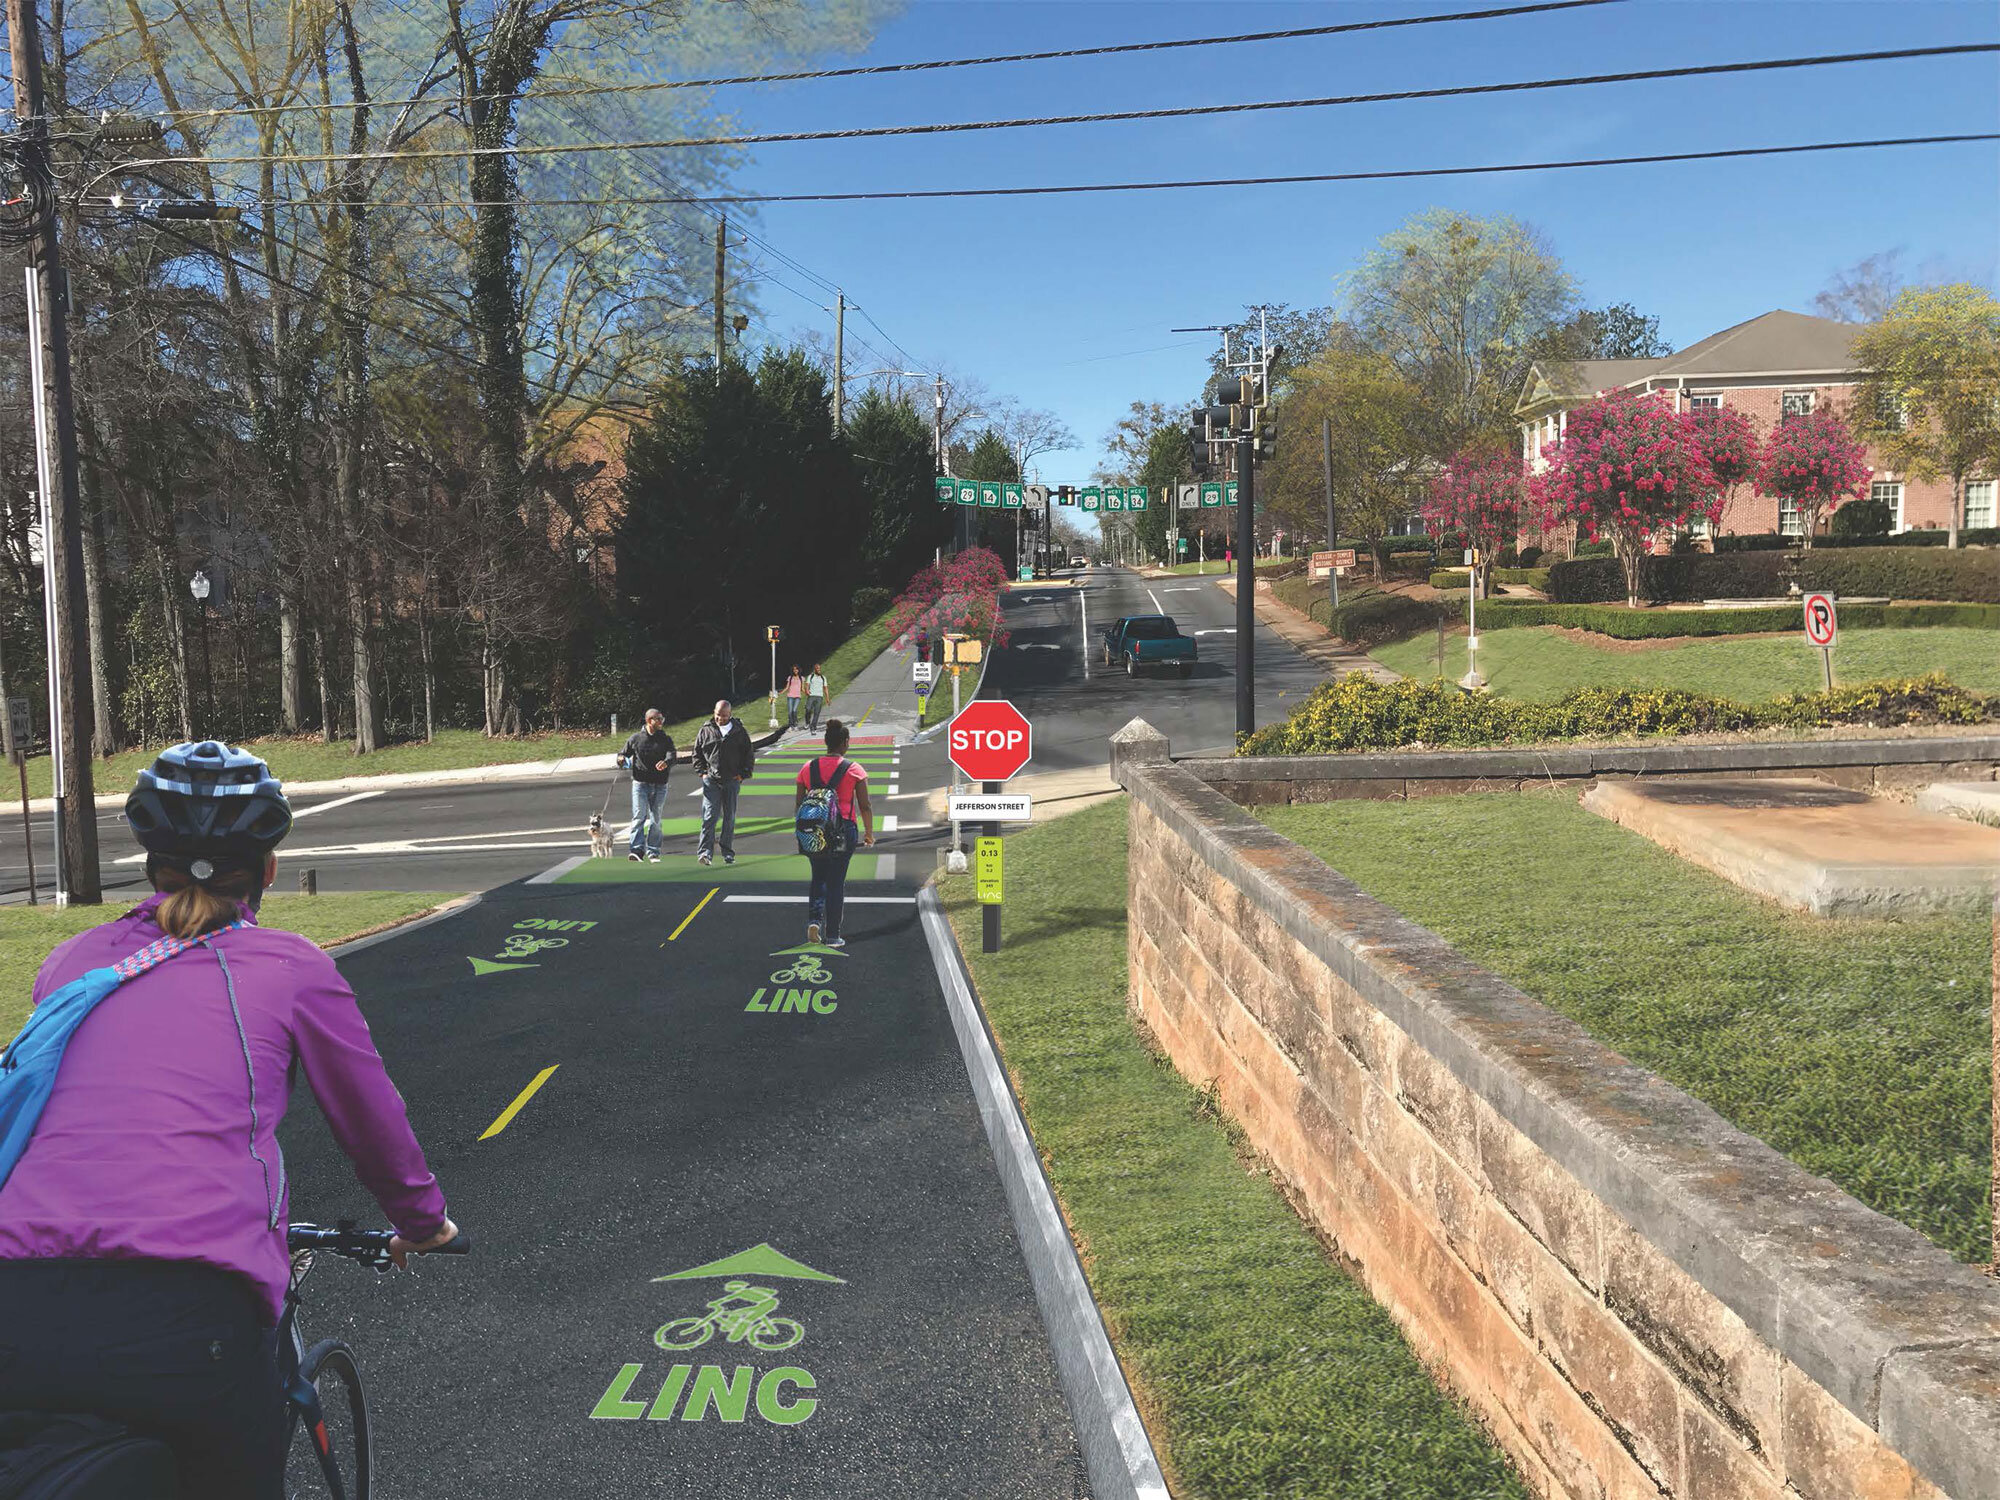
x=968, y=492
x=1211, y=493
x=1090, y=497
x=1114, y=497
x=1229, y=492
x=1135, y=497
x=989, y=494
x=947, y=490
x=1012, y=496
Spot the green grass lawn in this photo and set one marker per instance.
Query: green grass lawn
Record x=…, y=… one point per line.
x=1861, y=1049
x=1536, y=662
x=27, y=933
x=307, y=758
x=1263, y=1368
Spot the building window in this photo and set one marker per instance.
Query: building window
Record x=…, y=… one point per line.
x=1791, y=520
x=1888, y=492
x=1795, y=404
x=1704, y=401
x=1981, y=503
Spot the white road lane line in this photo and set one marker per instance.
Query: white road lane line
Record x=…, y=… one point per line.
x=1158, y=607
x=889, y=823
x=1083, y=616
x=556, y=872
x=885, y=867
x=307, y=812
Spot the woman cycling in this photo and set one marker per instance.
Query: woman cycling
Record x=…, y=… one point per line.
x=142, y=1232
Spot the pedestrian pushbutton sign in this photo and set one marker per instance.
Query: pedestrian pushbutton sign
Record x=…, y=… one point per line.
x=986, y=869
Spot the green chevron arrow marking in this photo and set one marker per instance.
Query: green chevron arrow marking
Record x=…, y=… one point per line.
x=487, y=966
x=758, y=1260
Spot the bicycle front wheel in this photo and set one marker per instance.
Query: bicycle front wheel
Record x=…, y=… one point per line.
x=329, y=1454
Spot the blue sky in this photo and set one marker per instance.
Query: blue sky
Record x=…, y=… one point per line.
x=1065, y=303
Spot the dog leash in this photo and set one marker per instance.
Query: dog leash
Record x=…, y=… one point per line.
x=607, y=797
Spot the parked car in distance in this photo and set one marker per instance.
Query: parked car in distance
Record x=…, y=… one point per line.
x=1148, y=641
x=1079, y=562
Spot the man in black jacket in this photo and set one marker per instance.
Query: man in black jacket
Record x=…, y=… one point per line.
x=650, y=754
x=723, y=760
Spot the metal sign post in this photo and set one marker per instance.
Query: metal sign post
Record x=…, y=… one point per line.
x=774, y=634
x=18, y=730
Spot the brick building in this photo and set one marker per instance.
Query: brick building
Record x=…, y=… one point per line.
x=1768, y=368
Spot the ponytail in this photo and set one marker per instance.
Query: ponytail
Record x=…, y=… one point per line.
x=195, y=906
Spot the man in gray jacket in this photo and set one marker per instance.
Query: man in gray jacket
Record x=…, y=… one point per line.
x=723, y=759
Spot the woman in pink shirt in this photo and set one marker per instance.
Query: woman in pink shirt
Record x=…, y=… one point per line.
x=142, y=1232
x=829, y=870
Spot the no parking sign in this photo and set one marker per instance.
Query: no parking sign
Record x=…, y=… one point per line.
x=1822, y=624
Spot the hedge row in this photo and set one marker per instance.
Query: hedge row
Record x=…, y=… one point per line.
x=1978, y=536
x=1624, y=624
x=1456, y=578
x=1358, y=713
x=1897, y=572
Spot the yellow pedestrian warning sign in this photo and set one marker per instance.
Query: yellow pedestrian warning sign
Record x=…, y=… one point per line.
x=986, y=870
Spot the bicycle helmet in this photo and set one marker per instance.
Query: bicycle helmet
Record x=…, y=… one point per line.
x=208, y=802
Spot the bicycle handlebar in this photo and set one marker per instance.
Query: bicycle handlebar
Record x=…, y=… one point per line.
x=368, y=1246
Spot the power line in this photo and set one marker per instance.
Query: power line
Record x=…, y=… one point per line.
x=1457, y=91
x=879, y=69
x=1728, y=153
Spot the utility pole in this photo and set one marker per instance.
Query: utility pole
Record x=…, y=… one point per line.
x=1332, y=525
x=62, y=536
x=839, y=353
x=1246, y=583
x=721, y=249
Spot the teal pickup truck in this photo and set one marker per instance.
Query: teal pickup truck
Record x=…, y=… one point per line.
x=1148, y=641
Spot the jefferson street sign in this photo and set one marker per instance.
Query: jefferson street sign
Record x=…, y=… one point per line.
x=971, y=807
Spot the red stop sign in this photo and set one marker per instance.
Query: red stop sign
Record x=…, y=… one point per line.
x=989, y=740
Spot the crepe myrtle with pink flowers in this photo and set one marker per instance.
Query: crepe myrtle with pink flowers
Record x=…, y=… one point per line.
x=1729, y=442
x=1479, y=495
x=1815, y=461
x=1628, y=468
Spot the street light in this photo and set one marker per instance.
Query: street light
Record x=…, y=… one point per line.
x=199, y=586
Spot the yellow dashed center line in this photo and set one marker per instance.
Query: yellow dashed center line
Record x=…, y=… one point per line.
x=507, y=1114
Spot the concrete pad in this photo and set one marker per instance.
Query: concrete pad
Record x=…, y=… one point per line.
x=1814, y=847
x=1977, y=800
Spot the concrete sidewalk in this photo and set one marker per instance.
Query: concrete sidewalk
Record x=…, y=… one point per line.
x=1310, y=638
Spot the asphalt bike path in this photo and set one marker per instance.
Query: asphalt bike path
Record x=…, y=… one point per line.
x=739, y=1229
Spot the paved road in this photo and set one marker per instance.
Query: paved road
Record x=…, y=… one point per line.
x=476, y=837
x=1053, y=672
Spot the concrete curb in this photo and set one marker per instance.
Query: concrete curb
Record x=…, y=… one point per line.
x=449, y=909
x=1116, y=1449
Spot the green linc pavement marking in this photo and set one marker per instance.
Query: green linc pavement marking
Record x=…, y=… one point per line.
x=680, y=868
x=526, y=942
x=744, y=1315
x=793, y=991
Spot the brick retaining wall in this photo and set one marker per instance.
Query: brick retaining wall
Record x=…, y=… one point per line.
x=1863, y=764
x=1637, y=1298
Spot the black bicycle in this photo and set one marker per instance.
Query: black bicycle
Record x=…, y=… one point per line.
x=327, y=1450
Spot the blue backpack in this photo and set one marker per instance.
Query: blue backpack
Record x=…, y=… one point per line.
x=818, y=824
x=28, y=1066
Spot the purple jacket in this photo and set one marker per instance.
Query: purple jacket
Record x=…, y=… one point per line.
x=147, y=1149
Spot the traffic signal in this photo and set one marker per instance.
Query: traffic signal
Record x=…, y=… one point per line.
x=1065, y=494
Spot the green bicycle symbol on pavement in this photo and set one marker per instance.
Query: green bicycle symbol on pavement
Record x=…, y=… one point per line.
x=751, y=1322
x=520, y=945
x=805, y=969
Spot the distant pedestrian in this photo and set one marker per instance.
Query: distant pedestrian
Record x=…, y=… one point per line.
x=723, y=759
x=849, y=785
x=795, y=687
x=650, y=756
x=815, y=695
